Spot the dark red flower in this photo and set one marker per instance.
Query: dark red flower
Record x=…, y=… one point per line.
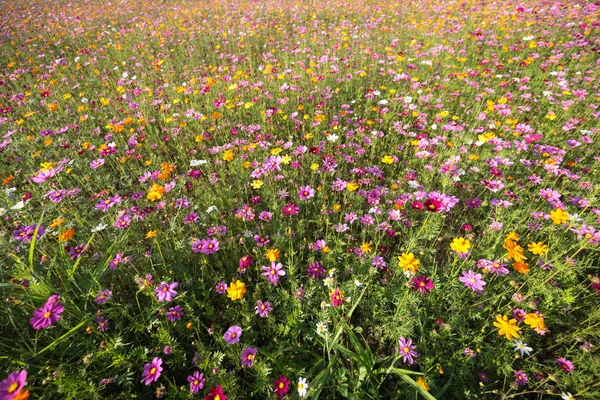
x=433, y=205
x=282, y=386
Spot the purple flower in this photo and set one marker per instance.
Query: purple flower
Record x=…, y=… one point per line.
x=165, y=291
x=565, y=364
x=273, y=272
x=175, y=313
x=206, y=246
x=306, y=192
x=12, y=385
x=407, y=350
x=47, y=315
x=379, y=262
x=191, y=217
x=103, y=296
x=422, y=284
x=290, y=209
x=263, y=309
x=233, y=334
x=521, y=378
x=316, y=270
x=102, y=323
x=473, y=281
x=25, y=233
x=221, y=287
x=299, y=293
x=152, y=371
x=248, y=356
x=196, y=381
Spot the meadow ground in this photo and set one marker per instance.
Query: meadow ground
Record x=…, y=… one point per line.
x=287, y=199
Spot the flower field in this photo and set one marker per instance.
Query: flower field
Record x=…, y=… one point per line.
x=286, y=199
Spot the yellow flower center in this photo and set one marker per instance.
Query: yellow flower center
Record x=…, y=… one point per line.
x=13, y=387
x=47, y=314
x=152, y=371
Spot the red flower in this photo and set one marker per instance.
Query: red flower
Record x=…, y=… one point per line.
x=216, y=393
x=282, y=386
x=433, y=205
x=422, y=284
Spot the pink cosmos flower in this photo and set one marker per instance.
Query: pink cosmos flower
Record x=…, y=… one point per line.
x=152, y=371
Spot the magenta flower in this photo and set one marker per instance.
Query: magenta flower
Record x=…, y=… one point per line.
x=316, y=270
x=175, y=313
x=165, y=291
x=290, y=209
x=407, y=350
x=263, y=309
x=233, y=334
x=422, y=284
x=273, y=272
x=25, y=233
x=12, y=385
x=206, y=246
x=152, y=371
x=196, y=381
x=248, y=356
x=306, y=192
x=521, y=378
x=473, y=281
x=565, y=364
x=47, y=315
x=221, y=287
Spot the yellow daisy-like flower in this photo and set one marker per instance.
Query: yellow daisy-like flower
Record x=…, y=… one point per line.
x=408, y=262
x=559, y=216
x=460, y=245
x=387, y=159
x=151, y=234
x=236, y=290
x=538, y=248
x=155, y=193
x=257, y=184
x=535, y=321
x=366, y=247
x=507, y=327
x=273, y=254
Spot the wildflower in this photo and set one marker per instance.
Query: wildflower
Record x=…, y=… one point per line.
x=236, y=290
x=302, y=387
x=246, y=261
x=536, y=322
x=233, y=334
x=473, y=281
x=257, y=184
x=49, y=314
x=299, y=293
x=166, y=291
x=282, y=386
x=387, y=159
x=433, y=205
x=321, y=328
x=103, y=296
x=216, y=393
x=25, y=234
x=175, y=313
x=152, y=371
x=273, y=272
x=559, y=216
x=515, y=252
x=567, y=396
x=196, y=381
x=521, y=378
x=11, y=388
x=565, y=364
x=407, y=350
x=422, y=284
x=272, y=254
x=337, y=297
x=507, y=327
x=460, y=245
x=248, y=356
x=521, y=347
x=290, y=209
x=155, y=193
x=422, y=382
x=263, y=308
x=538, y=248
x=408, y=262
x=306, y=192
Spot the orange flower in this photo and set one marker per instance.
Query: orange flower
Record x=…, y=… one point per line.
x=66, y=235
x=273, y=254
x=514, y=250
x=151, y=234
x=521, y=266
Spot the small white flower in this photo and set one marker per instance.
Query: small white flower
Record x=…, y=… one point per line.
x=18, y=206
x=328, y=281
x=567, y=396
x=358, y=283
x=98, y=228
x=211, y=209
x=528, y=38
x=321, y=328
x=522, y=347
x=2, y=211
x=324, y=305
x=413, y=184
x=408, y=99
x=433, y=127
x=333, y=137
x=382, y=102
x=195, y=163
x=302, y=387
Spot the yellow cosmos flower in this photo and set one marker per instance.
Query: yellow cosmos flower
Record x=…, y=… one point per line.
x=507, y=327
x=155, y=193
x=236, y=290
x=539, y=248
x=460, y=245
x=408, y=262
x=559, y=216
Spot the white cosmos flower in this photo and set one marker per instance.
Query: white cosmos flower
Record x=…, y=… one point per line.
x=302, y=387
x=321, y=328
x=522, y=347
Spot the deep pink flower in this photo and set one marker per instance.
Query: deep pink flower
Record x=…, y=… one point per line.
x=12, y=385
x=47, y=315
x=166, y=291
x=196, y=381
x=422, y=284
x=248, y=356
x=233, y=334
x=282, y=386
x=152, y=371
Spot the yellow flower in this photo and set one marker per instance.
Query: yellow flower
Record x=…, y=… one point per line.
x=236, y=290
x=460, y=245
x=422, y=382
x=256, y=184
x=366, y=247
x=559, y=216
x=229, y=155
x=387, y=159
x=155, y=193
x=408, y=262
x=351, y=187
x=314, y=166
x=57, y=222
x=538, y=248
x=507, y=327
x=535, y=321
x=273, y=254
x=151, y=234
x=515, y=252
x=286, y=159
